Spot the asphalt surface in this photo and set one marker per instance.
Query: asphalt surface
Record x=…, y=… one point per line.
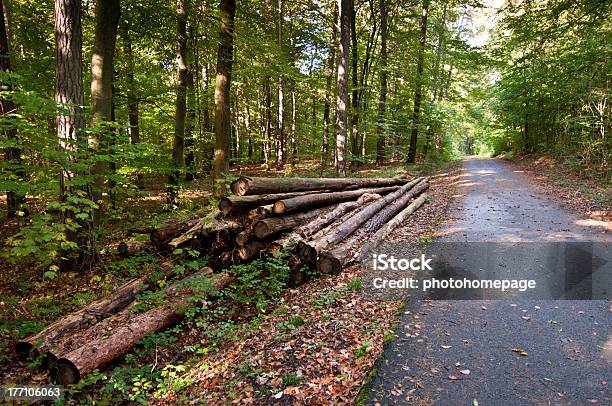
x=540, y=347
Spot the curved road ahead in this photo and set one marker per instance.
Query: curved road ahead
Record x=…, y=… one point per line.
x=460, y=352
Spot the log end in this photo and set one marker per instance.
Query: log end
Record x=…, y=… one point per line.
x=261, y=229
x=279, y=207
x=240, y=186
x=225, y=205
x=328, y=264
x=122, y=249
x=24, y=350
x=65, y=372
x=306, y=252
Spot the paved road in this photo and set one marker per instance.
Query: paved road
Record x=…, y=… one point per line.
x=456, y=352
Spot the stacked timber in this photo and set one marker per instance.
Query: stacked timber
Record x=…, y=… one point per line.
x=321, y=222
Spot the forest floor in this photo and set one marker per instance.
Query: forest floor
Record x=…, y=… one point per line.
x=545, y=346
x=334, y=335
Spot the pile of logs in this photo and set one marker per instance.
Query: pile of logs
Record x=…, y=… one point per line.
x=320, y=222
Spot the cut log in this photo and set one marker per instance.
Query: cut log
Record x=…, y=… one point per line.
x=394, y=223
x=332, y=262
x=160, y=237
x=254, y=186
x=300, y=203
x=236, y=204
x=72, y=366
x=252, y=249
x=244, y=237
x=319, y=223
x=260, y=212
x=204, y=226
x=309, y=252
x=266, y=227
x=131, y=247
x=89, y=315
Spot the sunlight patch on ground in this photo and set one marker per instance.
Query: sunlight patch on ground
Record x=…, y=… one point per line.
x=594, y=223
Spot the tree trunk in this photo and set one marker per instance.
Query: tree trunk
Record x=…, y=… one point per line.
x=88, y=315
x=355, y=81
x=340, y=232
x=130, y=248
x=132, y=96
x=178, y=143
x=12, y=154
x=105, y=36
x=255, y=186
x=301, y=203
x=205, y=226
x=225, y=62
x=342, y=100
x=294, y=148
x=382, y=102
x=280, y=134
x=70, y=123
x=236, y=204
x=252, y=249
x=328, y=89
x=266, y=227
x=331, y=262
x=71, y=367
x=318, y=224
x=414, y=131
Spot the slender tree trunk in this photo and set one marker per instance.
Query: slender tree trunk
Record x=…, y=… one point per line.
x=268, y=121
x=280, y=147
x=180, y=113
x=328, y=88
x=382, y=102
x=132, y=96
x=105, y=36
x=419, y=84
x=225, y=60
x=13, y=153
x=249, y=132
x=294, y=148
x=342, y=99
x=355, y=81
x=190, y=120
x=70, y=122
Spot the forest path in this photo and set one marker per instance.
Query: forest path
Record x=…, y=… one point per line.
x=453, y=352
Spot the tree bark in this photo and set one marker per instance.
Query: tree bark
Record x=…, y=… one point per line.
x=355, y=81
x=375, y=240
x=70, y=123
x=300, y=203
x=132, y=96
x=266, y=227
x=342, y=99
x=280, y=134
x=71, y=367
x=332, y=262
x=130, y=248
x=105, y=37
x=319, y=223
x=234, y=204
x=255, y=186
x=382, y=102
x=328, y=88
x=225, y=62
x=414, y=132
x=12, y=153
x=341, y=231
x=178, y=143
x=88, y=315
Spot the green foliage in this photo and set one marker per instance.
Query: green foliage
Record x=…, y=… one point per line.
x=260, y=281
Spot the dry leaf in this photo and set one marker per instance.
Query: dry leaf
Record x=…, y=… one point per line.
x=453, y=377
x=465, y=371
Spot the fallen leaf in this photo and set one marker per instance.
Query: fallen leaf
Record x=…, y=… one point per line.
x=453, y=377
x=520, y=351
x=526, y=318
x=474, y=402
x=465, y=371
x=483, y=307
